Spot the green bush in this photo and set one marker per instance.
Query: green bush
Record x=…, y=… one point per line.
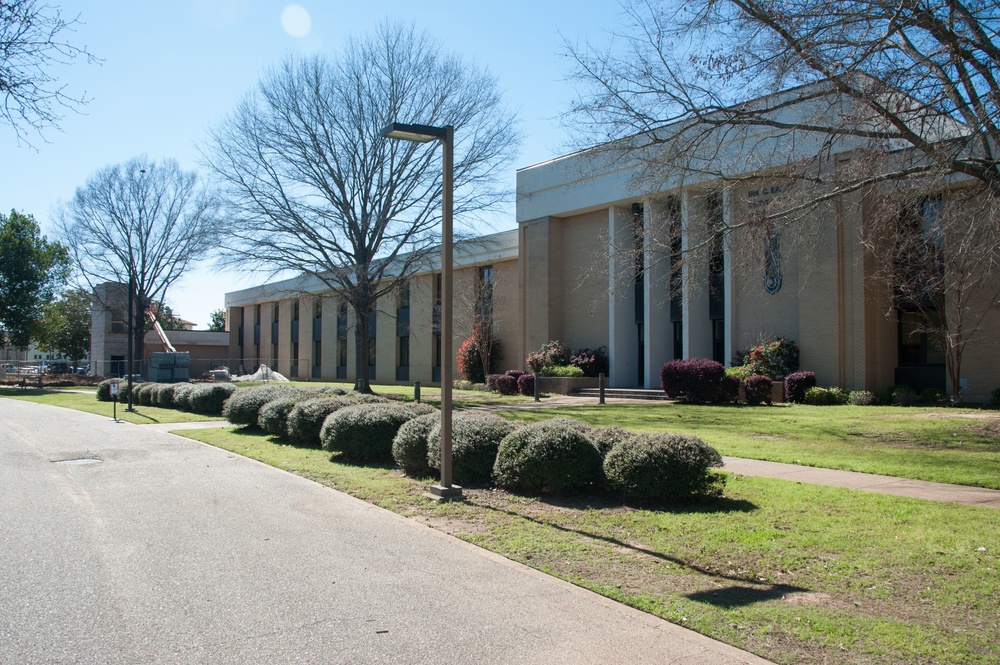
x=143, y=395
x=662, y=467
x=775, y=358
x=182, y=395
x=104, y=391
x=605, y=438
x=365, y=432
x=243, y=408
x=305, y=420
x=162, y=395
x=475, y=438
x=904, y=396
x=863, y=398
x=550, y=456
x=409, y=446
x=551, y=354
x=816, y=396
x=273, y=416
x=568, y=371
x=933, y=397
x=208, y=398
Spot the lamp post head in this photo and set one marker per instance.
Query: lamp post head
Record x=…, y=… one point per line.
x=415, y=133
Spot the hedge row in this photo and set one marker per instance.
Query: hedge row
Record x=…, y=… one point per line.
x=203, y=398
x=561, y=456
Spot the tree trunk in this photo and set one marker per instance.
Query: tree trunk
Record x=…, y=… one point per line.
x=361, y=378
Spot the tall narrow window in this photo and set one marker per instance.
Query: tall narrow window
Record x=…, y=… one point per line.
x=716, y=276
x=436, y=329
x=639, y=296
x=342, y=339
x=403, y=332
x=676, y=275
x=484, y=294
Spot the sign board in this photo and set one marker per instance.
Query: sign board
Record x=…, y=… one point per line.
x=114, y=388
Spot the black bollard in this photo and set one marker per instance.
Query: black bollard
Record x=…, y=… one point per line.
x=536, y=387
x=416, y=392
x=600, y=383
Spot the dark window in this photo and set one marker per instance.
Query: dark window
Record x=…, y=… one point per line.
x=119, y=325
x=371, y=351
x=317, y=353
x=274, y=354
x=404, y=351
x=484, y=294
x=716, y=276
x=676, y=276
x=318, y=312
x=917, y=346
x=342, y=353
x=403, y=294
x=295, y=353
x=295, y=311
x=274, y=311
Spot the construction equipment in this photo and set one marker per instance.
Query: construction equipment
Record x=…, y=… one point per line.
x=170, y=366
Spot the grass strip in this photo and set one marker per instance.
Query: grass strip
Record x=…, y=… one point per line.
x=960, y=446
x=795, y=573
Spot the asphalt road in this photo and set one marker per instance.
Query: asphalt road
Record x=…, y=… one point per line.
x=167, y=550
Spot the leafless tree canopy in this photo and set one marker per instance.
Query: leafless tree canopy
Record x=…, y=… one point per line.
x=919, y=75
x=729, y=90
x=311, y=186
x=32, y=44
x=143, y=218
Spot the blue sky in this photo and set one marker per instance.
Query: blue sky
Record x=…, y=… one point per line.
x=172, y=69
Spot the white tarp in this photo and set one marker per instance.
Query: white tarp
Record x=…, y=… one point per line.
x=263, y=373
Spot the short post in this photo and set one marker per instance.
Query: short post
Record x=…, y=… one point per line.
x=535, y=382
x=600, y=383
x=416, y=392
x=40, y=383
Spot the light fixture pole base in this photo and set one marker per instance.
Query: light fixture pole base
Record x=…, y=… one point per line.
x=441, y=493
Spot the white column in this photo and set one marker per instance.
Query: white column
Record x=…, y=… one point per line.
x=622, y=334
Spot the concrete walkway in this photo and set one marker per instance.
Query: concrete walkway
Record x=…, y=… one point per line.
x=123, y=544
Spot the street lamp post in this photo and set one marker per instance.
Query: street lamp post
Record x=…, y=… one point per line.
x=445, y=490
x=131, y=334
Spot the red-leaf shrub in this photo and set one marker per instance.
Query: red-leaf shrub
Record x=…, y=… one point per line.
x=526, y=384
x=758, y=389
x=696, y=380
x=470, y=354
x=593, y=362
x=796, y=385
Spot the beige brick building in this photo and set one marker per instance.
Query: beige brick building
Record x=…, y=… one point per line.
x=591, y=263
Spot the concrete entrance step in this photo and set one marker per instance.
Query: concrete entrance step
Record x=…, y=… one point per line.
x=624, y=393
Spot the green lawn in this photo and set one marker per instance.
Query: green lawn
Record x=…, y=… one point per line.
x=462, y=399
x=143, y=415
x=795, y=573
x=945, y=445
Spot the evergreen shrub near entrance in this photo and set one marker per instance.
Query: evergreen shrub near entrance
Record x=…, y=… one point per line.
x=663, y=467
x=554, y=456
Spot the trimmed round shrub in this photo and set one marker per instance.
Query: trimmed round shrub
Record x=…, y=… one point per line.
x=515, y=373
x=243, y=408
x=796, y=385
x=162, y=395
x=696, y=380
x=863, y=398
x=305, y=420
x=475, y=438
x=491, y=382
x=550, y=456
x=365, y=432
x=605, y=438
x=208, y=398
x=758, y=389
x=104, y=391
x=526, y=384
x=331, y=390
x=409, y=446
x=729, y=389
x=182, y=395
x=366, y=398
x=143, y=394
x=661, y=467
x=507, y=385
x=273, y=416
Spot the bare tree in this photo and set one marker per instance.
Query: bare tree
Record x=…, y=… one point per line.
x=32, y=44
x=142, y=221
x=908, y=89
x=312, y=186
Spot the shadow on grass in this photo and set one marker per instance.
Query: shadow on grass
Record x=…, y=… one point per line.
x=741, y=596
